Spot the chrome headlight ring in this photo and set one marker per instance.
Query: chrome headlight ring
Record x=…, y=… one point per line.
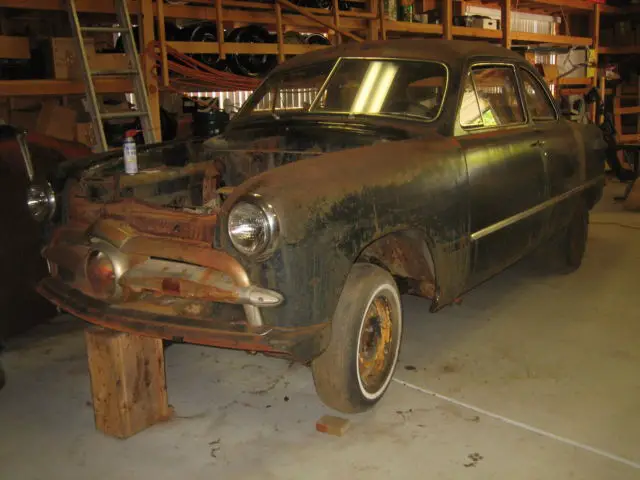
x=41, y=201
x=253, y=227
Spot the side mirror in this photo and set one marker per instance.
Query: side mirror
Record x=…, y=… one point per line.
x=8, y=132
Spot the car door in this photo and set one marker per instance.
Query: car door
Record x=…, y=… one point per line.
x=557, y=144
x=507, y=178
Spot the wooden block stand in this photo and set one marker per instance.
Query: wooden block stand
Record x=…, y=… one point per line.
x=128, y=382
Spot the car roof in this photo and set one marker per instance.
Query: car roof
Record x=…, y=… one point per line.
x=446, y=51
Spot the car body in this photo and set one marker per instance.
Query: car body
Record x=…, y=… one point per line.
x=420, y=166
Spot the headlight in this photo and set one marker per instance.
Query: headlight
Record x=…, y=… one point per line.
x=41, y=202
x=252, y=228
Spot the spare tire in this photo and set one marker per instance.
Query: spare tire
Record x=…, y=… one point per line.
x=247, y=64
x=316, y=39
x=206, y=32
x=171, y=33
x=293, y=38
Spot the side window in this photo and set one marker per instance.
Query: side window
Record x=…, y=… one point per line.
x=540, y=107
x=470, y=115
x=497, y=100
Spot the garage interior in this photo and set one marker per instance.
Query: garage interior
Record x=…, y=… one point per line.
x=527, y=376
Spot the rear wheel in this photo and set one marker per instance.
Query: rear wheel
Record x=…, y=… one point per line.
x=355, y=370
x=566, y=249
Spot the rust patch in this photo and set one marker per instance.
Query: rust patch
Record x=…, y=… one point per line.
x=404, y=256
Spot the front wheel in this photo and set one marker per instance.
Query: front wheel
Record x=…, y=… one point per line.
x=353, y=373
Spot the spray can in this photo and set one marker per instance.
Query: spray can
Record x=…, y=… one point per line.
x=130, y=155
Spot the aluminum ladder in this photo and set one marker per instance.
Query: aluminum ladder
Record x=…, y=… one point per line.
x=134, y=72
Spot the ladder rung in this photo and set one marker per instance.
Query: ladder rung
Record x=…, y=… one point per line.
x=106, y=73
x=118, y=115
x=104, y=29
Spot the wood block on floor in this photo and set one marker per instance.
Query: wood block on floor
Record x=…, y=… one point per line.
x=332, y=425
x=127, y=381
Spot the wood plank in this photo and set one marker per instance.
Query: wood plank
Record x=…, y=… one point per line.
x=471, y=32
x=279, y=32
x=220, y=28
x=408, y=27
x=250, y=48
x=447, y=19
x=383, y=20
x=128, y=382
x=18, y=88
x=151, y=81
x=575, y=80
x=14, y=47
x=624, y=50
x=542, y=6
x=88, y=6
x=628, y=138
x=372, y=30
x=163, y=46
x=351, y=20
x=552, y=39
x=612, y=10
x=315, y=11
x=336, y=20
x=627, y=110
x=506, y=23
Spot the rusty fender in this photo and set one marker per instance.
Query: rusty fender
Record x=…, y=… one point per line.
x=333, y=206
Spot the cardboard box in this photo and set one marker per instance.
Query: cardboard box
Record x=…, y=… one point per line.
x=56, y=121
x=65, y=63
x=84, y=133
x=486, y=23
x=14, y=47
x=109, y=61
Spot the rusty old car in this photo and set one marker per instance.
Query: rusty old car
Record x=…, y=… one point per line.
x=352, y=175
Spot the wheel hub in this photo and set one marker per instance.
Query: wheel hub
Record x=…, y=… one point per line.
x=375, y=344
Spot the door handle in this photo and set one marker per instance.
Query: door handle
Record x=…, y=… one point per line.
x=538, y=143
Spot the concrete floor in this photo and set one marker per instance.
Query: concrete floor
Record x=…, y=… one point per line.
x=531, y=377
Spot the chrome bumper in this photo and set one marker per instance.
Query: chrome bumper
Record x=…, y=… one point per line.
x=186, y=271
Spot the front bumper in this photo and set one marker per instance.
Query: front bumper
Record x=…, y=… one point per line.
x=300, y=343
x=171, y=289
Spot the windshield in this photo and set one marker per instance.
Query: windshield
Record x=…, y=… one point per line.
x=397, y=88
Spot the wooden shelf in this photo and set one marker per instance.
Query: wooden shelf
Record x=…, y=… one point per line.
x=626, y=50
x=412, y=27
x=544, y=7
x=263, y=13
x=250, y=48
x=16, y=88
x=611, y=10
x=469, y=32
x=552, y=39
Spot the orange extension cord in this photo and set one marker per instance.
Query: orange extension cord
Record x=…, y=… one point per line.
x=189, y=74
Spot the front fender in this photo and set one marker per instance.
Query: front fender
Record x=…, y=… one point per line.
x=332, y=206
